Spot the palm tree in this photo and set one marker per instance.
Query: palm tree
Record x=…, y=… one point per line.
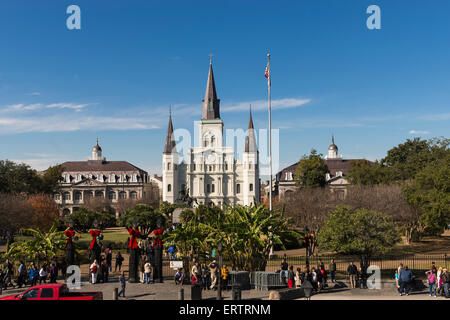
x=246, y=234
x=43, y=246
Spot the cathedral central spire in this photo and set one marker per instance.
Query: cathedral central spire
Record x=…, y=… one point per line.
x=211, y=104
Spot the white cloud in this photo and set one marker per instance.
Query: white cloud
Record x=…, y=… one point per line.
x=262, y=104
x=23, y=107
x=73, y=106
x=62, y=123
x=35, y=93
x=419, y=132
x=435, y=117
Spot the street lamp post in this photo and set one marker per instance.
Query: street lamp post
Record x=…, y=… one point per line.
x=219, y=287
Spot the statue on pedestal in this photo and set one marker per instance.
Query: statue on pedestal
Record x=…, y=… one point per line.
x=158, y=250
x=94, y=248
x=70, y=248
x=134, y=255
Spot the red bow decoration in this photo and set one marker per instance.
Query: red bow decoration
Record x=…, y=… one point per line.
x=94, y=234
x=69, y=234
x=133, y=233
x=307, y=239
x=157, y=233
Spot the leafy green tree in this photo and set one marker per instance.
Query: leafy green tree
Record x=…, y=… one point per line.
x=360, y=232
x=50, y=179
x=143, y=217
x=311, y=170
x=18, y=178
x=84, y=219
x=41, y=247
x=364, y=172
x=407, y=159
x=430, y=192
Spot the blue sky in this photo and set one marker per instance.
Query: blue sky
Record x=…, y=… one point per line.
x=115, y=78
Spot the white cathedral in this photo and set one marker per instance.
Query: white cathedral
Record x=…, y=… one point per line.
x=212, y=174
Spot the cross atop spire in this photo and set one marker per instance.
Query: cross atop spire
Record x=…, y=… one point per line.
x=211, y=105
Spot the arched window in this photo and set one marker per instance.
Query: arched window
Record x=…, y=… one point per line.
x=168, y=165
x=112, y=195
x=57, y=196
x=169, y=188
x=66, y=196
x=133, y=195
x=238, y=188
x=122, y=195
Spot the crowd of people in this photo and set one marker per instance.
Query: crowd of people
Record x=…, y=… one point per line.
x=438, y=280
x=31, y=275
x=208, y=276
x=317, y=276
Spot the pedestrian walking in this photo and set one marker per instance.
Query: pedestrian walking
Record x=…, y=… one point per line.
x=123, y=284
x=405, y=278
x=21, y=279
x=53, y=273
x=43, y=274
x=445, y=277
x=224, y=277
x=439, y=286
x=291, y=277
x=205, y=276
x=119, y=260
x=147, y=271
x=94, y=271
x=108, y=256
x=352, y=272
x=432, y=282
x=213, y=272
x=298, y=278
x=284, y=271
x=332, y=268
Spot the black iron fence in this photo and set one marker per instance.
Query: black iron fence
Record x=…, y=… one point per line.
x=417, y=262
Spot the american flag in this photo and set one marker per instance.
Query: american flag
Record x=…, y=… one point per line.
x=267, y=75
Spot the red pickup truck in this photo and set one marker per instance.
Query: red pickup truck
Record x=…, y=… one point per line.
x=54, y=291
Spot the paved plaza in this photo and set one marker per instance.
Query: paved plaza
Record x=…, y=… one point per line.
x=169, y=291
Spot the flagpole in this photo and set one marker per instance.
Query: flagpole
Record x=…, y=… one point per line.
x=270, y=141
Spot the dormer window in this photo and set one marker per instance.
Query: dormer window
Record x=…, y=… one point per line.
x=67, y=178
x=100, y=177
x=112, y=177
x=78, y=177
x=339, y=173
x=134, y=177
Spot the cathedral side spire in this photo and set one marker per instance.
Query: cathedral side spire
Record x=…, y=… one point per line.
x=211, y=104
x=169, y=147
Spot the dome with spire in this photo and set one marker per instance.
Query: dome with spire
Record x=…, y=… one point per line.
x=97, y=152
x=97, y=147
x=332, y=145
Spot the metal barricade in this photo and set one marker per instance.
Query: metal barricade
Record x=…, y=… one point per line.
x=241, y=278
x=267, y=280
